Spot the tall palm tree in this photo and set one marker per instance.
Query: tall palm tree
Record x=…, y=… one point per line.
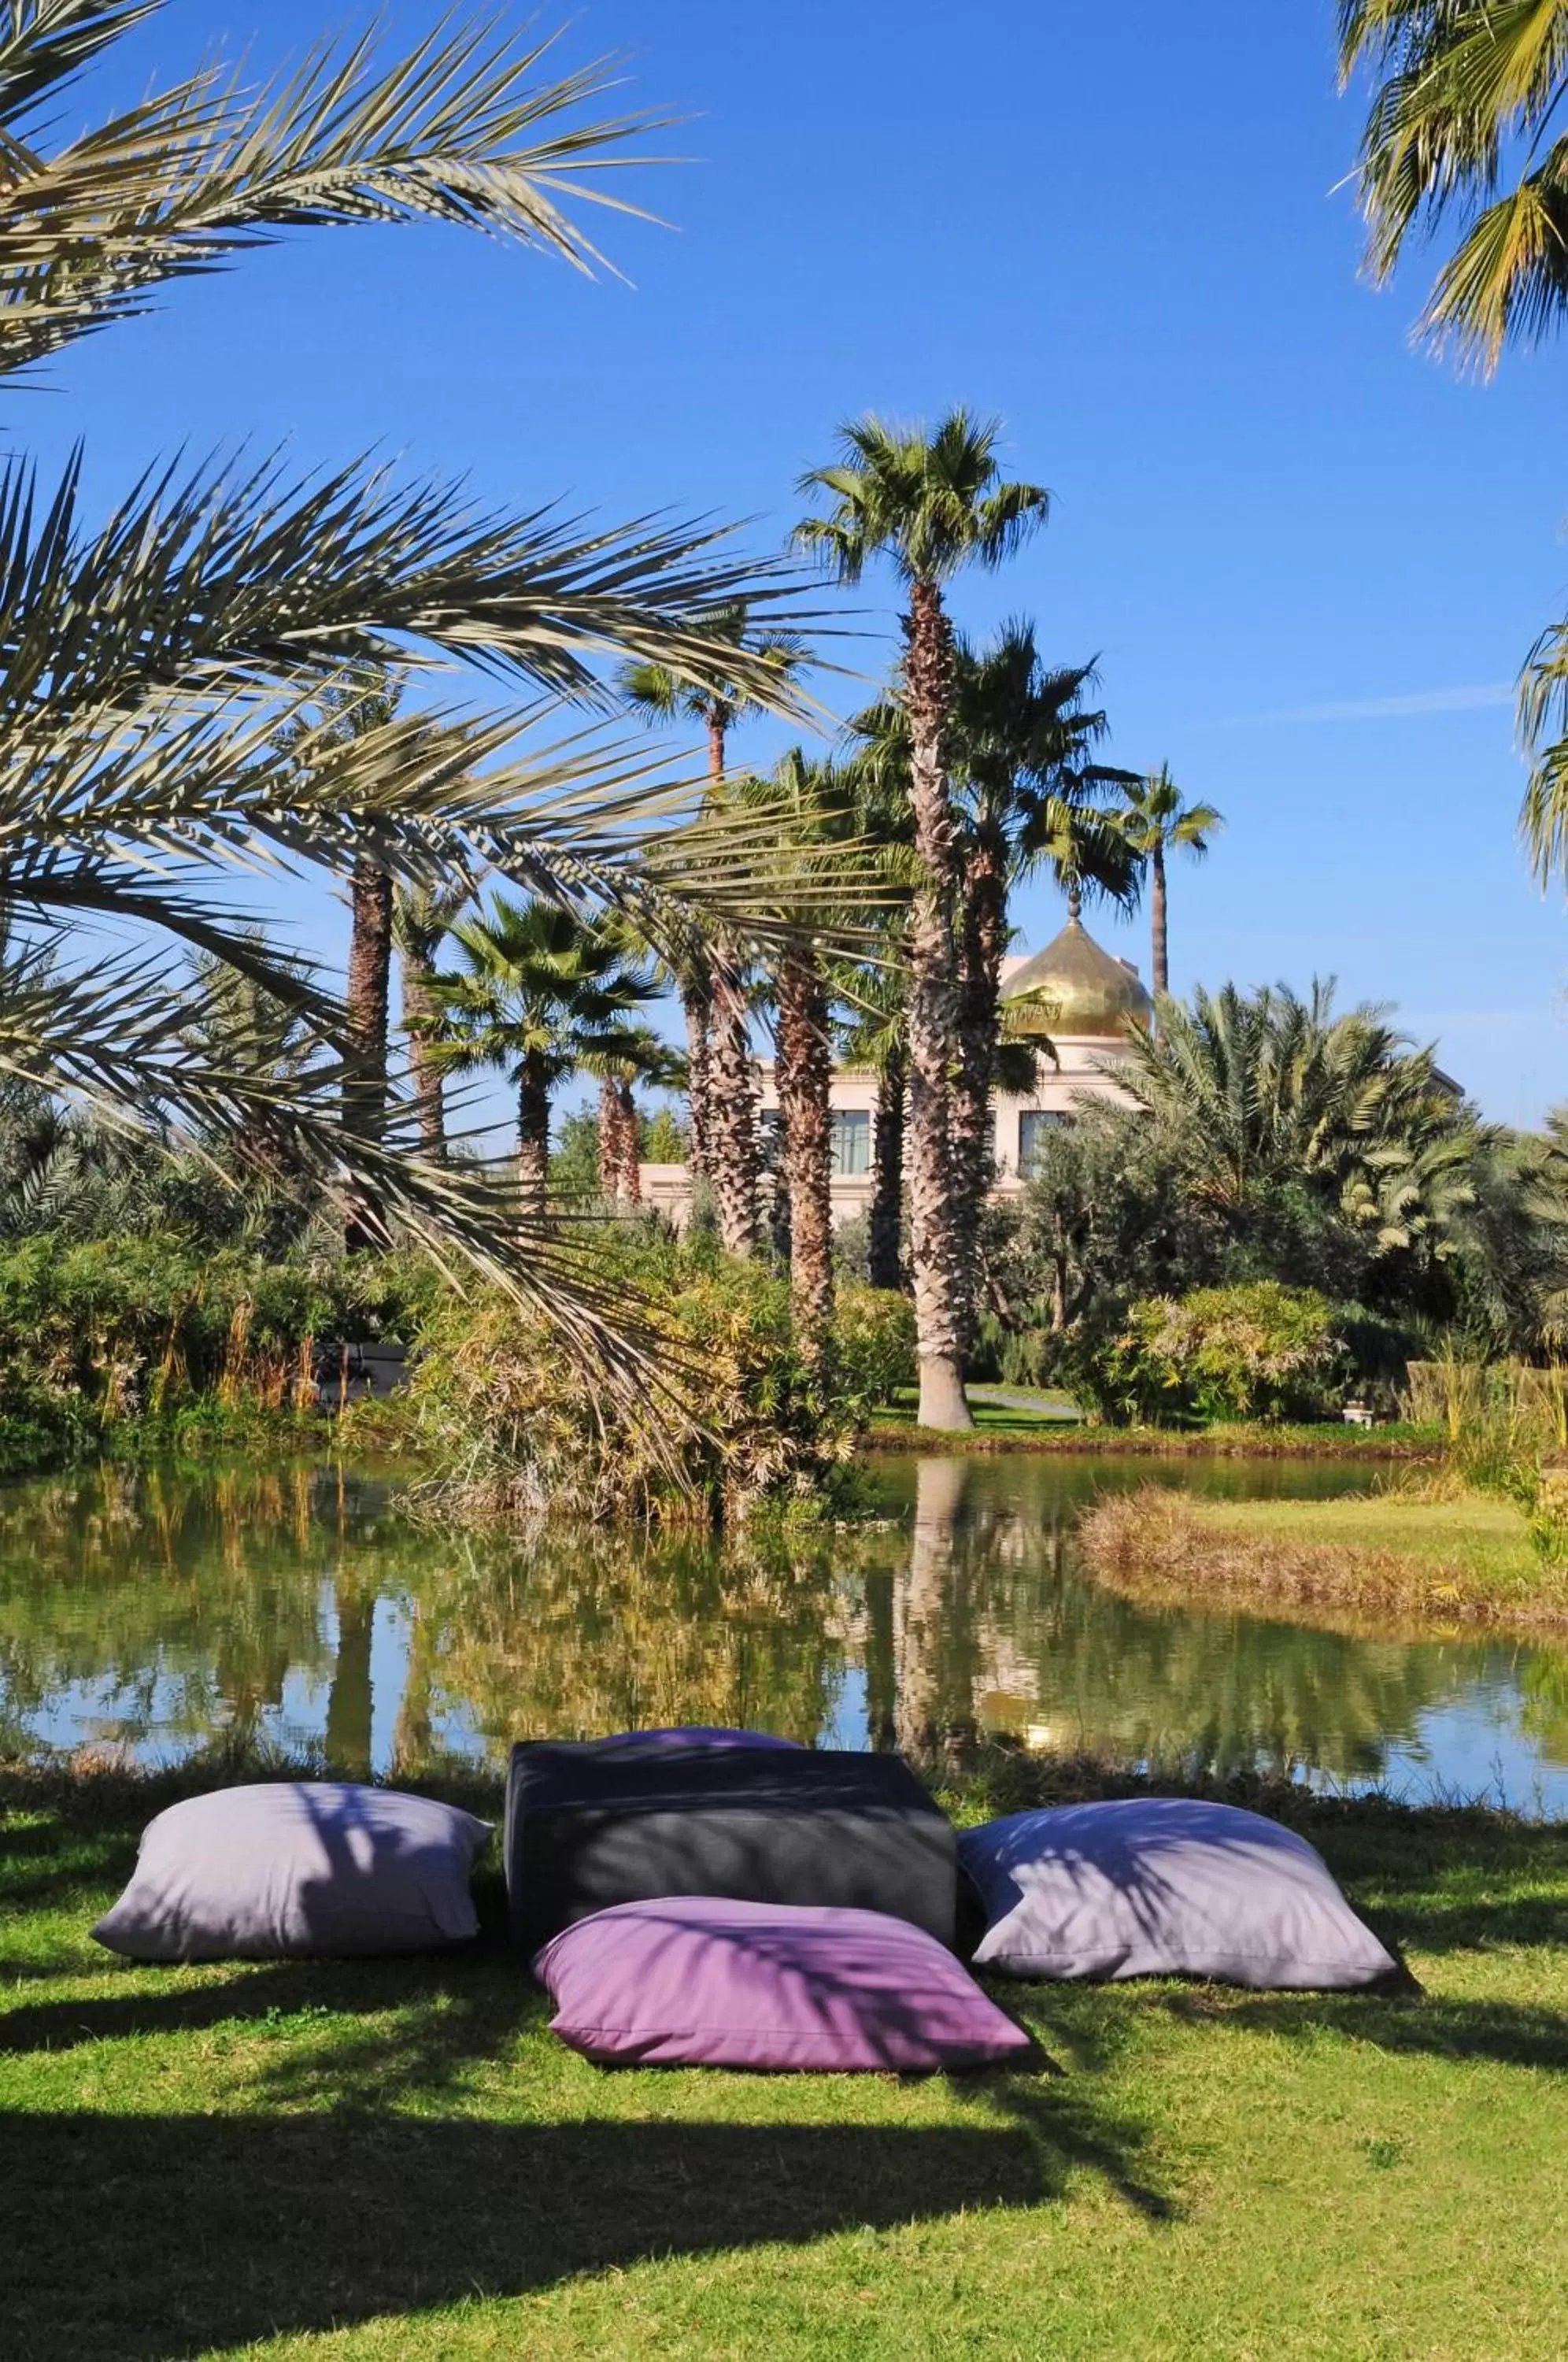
x=151, y=654
x=421, y=919
x=874, y=1033
x=809, y=809
x=346, y=714
x=1025, y=739
x=711, y=973
x=537, y=995
x=1156, y=821
x=931, y=504
x=1025, y=790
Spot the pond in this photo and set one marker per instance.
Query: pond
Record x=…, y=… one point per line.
x=147, y=1612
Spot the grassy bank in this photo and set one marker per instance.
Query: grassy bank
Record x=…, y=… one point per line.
x=365, y=2160
x=1004, y=1427
x=1469, y=1559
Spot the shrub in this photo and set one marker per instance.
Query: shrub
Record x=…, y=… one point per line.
x=97, y=1335
x=729, y=1416
x=1261, y=1351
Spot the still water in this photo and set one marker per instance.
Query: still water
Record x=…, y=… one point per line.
x=147, y=1612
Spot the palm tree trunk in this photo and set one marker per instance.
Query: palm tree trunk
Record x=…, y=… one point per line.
x=973, y=1126
x=533, y=1135
x=697, y=1003
x=885, y=1267
x=609, y=1141
x=1162, y=962
x=418, y=1010
x=936, y=1253
x=804, y=1073
x=735, y=1152
x=370, y=983
x=629, y=1176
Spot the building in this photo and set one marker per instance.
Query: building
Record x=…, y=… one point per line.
x=1074, y=994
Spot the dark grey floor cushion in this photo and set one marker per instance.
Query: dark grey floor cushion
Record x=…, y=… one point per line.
x=588, y=1828
x=290, y=1870
x=1162, y=1886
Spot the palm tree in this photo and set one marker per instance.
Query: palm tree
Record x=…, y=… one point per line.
x=809, y=809
x=1262, y=1092
x=421, y=919
x=343, y=716
x=711, y=975
x=640, y=1057
x=1154, y=822
x=931, y=504
x=1462, y=101
x=150, y=657
x=874, y=1033
x=537, y=995
x=1464, y=94
x=1023, y=739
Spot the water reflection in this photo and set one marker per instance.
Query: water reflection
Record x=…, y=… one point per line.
x=153, y=1611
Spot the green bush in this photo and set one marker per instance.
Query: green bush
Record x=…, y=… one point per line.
x=97, y=1336
x=723, y=1415
x=1260, y=1350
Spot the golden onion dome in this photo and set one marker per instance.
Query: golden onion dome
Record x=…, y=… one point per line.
x=1073, y=988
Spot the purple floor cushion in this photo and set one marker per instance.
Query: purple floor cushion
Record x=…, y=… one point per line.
x=1159, y=1886
x=290, y=1870
x=692, y=1981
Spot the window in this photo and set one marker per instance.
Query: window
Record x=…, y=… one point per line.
x=850, y=1151
x=1033, y=1126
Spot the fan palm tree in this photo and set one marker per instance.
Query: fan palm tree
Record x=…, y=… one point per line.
x=931, y=504
x=1155, y=821
x=537, y=995
x=149, y=658
x=711, y=975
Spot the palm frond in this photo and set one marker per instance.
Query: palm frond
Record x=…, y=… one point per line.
x=459, y=130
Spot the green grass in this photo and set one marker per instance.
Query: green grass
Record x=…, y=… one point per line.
x=1002, y=1427
x=1465, y=1557
x=386, y=2159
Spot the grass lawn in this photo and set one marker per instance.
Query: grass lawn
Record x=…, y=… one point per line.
x=1028, y=1419
x=391, y=2159
x=1469, y=1558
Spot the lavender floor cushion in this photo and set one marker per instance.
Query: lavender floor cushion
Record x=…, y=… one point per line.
x=1159, y=1886
x=588, y=1828
x=293, y=1871
x=696, y=1982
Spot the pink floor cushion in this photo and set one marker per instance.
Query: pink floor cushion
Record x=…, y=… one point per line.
x=691, y=1981
x=691, y=1734
x=1163, y=1886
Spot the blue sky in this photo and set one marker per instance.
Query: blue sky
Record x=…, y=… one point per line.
x=1309, y=559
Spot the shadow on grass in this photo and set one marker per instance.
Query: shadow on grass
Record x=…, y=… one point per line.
x=1507, y=2034
x=148, y=2238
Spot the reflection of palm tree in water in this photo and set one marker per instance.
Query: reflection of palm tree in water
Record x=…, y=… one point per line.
x=935, y=1700
x=349, y=1701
